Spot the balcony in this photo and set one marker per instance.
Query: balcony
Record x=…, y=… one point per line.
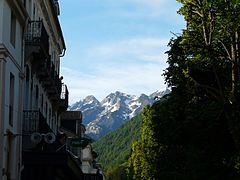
x=37, y=39
x=47, y=75
x=64, y=98
x=33, y=121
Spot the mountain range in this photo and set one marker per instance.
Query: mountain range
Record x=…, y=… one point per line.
x=100, y=118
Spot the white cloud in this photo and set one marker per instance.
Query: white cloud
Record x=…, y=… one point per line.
x=137, y=49
x=116, y=45
x=132, y=66
x=132, y=79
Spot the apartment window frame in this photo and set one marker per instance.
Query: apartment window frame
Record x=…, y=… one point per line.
x=13, y=29
x=46, y=110
x=11, y=98
x=27, y=83
x=36, y=96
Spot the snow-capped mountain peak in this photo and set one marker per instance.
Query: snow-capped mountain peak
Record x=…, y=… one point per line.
x=91, y=100
x=114, y=110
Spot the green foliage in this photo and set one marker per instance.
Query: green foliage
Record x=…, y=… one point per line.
x=114, y=149
x=175, y=73
x=117, y=173
x=194, y=133
x=183, y=139
x=134, y=166
x=211, y=43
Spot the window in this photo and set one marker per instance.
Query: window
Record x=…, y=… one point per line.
x=36, y=97
x=34, y=12
x=27, y=88
x=10, y=160
x=31, y=93
x=50, y=117
x=30, y=7
x=11, y=99
x=50, y=113
x=46, y=110
x=41, y=103
x=13, y=29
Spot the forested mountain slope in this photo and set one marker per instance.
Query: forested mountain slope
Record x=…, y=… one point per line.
x=114, y=148
x=112, y=112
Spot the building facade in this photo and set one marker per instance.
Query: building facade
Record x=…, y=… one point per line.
x=12, y=22
x=32, y=94
x=80, y=145
x=39, y=138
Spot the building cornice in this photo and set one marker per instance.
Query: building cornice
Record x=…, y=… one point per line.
x=19, y=10
x=51, y=18
x=4, y=53
x=57, y=23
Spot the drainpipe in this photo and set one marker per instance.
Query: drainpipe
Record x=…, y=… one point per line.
x=63, y=54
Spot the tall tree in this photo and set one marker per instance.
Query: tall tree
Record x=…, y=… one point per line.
x=212, y=34
x=194, y=133
x=134, y=166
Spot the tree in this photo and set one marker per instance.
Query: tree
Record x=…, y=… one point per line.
x=212, y=35
x=134, y=166
x=185, y=135
x=194, y=133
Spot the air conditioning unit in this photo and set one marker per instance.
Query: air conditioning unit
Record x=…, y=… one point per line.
x=36, y=137
x=49, y=138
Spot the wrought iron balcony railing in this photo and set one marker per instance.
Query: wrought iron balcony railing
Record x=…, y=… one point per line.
x=49, y=78
x=36, y=41
x=37, y=35
x=33, y=121
x=64, y=96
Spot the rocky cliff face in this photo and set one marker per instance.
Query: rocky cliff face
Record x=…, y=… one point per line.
x=113, y=111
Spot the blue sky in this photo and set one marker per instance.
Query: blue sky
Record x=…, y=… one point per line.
x=116, y=45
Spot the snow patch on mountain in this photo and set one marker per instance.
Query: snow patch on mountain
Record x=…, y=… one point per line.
x=117, y=108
